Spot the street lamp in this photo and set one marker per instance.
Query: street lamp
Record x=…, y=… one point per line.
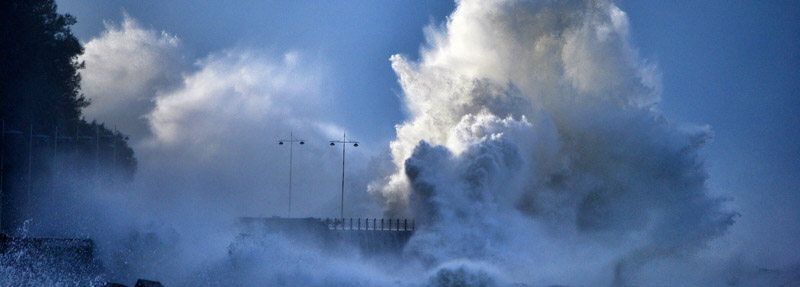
x=291, y=142
x=344, y=143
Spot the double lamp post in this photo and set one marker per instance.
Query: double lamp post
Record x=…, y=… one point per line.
x=293, y=140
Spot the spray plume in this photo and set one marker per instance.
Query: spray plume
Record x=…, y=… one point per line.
x=539, y=118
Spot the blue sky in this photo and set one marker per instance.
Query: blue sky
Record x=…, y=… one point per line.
x=733, y=66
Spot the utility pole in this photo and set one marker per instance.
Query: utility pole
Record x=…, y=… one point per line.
x=344, y=143
x=291, y=142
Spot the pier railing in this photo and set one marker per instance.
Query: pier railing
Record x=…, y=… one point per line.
x=372, y=224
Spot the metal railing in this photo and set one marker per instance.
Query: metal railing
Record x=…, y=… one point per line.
x=371, y=224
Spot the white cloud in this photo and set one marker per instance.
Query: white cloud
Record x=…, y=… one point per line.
x=125, y=67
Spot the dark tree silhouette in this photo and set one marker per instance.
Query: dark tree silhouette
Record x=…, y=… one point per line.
x=39, y=73
x=40, y=90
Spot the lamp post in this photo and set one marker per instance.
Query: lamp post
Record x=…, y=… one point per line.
x=344, y=143
x=291, y=142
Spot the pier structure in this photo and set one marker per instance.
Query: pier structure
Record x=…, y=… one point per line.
x=372, y=236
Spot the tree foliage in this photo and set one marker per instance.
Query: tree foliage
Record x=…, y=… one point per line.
x=39, y=76
x=41, y=98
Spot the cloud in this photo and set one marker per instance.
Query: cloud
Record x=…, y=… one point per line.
x=125, y=67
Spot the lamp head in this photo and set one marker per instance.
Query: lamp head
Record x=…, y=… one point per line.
x=302, y=142
x=355, y=144
x=280, y=143
x=332, y=144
